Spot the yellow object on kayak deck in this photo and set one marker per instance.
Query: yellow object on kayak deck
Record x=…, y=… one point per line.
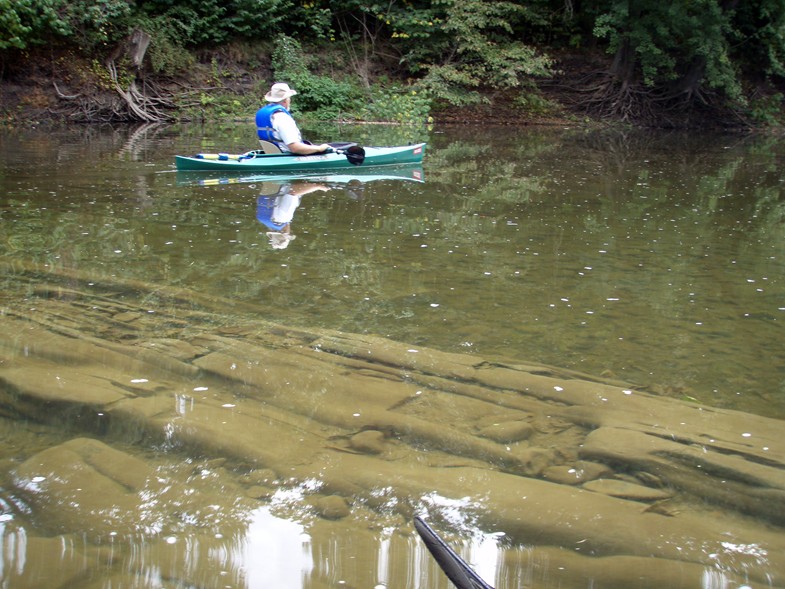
x=220, y=156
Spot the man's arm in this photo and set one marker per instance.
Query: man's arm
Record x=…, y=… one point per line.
x=301, y=148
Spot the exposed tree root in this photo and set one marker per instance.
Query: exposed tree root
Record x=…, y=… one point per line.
x=141, y=106
x=146, y=104
x=602, y=95
x=129, y=105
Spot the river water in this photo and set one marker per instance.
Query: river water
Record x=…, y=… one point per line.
x=647, y=258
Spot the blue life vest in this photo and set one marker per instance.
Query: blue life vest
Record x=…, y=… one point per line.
x=265, y=205
x=264, y=123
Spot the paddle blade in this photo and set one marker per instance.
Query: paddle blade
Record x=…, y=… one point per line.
x=456, y=569
x=355, y=154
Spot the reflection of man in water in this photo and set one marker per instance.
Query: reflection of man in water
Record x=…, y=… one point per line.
x=275, y=209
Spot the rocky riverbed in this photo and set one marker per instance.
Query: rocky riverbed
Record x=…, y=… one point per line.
x=186, y=417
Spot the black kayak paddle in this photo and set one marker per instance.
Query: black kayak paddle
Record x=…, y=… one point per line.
x=353, y=152
x=456, y=569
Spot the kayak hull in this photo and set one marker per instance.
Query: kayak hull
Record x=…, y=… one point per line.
x=406, y=172
x=276, y=163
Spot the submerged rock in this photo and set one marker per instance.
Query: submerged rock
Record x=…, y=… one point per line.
x=370, y=442
x=331, y=507
x=509, y=431
x=272, y=401
x=577, y=473
x=625, y=490
x=84, y=485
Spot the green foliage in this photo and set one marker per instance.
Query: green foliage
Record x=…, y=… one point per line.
x=327, y=98
x=256, y=19
x=193, y=22
x=384, y=30
x=87, y=23
x=557, y=24
x=668, y=39
x=451, y=84
x=768, y=110
x=25, y=23
x=323, y=96
x=475, y=48
x=408, y=24
x=311, y=20
x=223, y=107
x=455, y=51
x=288, y=58
x=475, y=25
x=100, y=75
x=613, y=25
x=199, y=22
x=13, y=32
x=167, y=53
x=98, y=22
x=398, y=106
x=759, y=36
x=533, y=102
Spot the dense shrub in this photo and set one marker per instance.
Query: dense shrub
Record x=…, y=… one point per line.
x=324, y=96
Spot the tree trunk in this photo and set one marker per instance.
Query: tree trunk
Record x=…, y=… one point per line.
x=135, y=47
x=689, y=84
x=623, y=66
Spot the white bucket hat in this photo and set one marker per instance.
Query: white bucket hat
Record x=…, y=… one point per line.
x=279, y=92
x=278, y=240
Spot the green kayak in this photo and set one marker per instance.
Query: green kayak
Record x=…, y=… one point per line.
x=260, y=162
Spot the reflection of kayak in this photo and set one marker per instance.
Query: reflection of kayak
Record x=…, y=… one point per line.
x=258, y=161
x=410, y=172
x=456, y=569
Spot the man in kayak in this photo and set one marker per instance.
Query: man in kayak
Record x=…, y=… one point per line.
x=274, y=123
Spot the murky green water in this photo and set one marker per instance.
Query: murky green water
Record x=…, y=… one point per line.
x=658, y=259
x=651, y=259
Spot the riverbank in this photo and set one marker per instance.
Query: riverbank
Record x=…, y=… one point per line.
x=66, y=88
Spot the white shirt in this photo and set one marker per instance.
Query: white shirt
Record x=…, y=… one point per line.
x=286, y=129
x=285, y=205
